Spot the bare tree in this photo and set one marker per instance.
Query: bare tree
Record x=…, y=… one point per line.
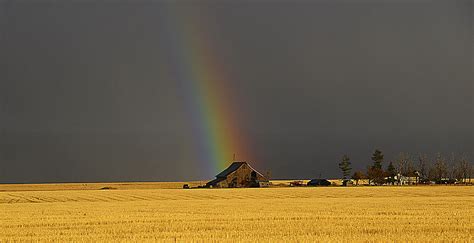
x=470, y=169
x=423, y=166
x=457, y=170
x=451, y=167
x=400, y=164
x=440, y=168
x=431, y=172
x=358, y=175
x=463, y=169
x=404, y=166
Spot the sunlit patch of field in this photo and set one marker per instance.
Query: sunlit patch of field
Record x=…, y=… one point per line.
x=97, y=186
x=424, y=213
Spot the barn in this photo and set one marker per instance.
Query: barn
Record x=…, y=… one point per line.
x=239, y=174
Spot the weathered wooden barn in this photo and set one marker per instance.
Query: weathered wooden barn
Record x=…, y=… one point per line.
x=239, y=174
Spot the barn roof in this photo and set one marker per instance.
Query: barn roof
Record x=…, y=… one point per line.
x=233, y=167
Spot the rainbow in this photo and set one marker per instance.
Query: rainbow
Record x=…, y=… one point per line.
x=207, y=90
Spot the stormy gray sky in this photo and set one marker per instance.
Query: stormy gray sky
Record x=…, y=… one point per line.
x=89, y=91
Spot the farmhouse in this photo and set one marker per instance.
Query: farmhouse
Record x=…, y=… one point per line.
x=239, y=174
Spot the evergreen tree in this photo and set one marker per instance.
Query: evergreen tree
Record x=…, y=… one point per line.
x=345, y=167
x=377, y=157
x=375, y=172
x=391, y=173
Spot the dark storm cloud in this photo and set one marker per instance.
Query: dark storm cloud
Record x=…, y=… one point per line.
x=88, y=91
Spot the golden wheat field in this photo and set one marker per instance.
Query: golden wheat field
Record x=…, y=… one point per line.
x=423, y=213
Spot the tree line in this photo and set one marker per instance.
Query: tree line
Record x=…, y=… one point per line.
x=409, y=169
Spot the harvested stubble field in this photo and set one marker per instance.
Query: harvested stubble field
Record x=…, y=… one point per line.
x=423, y=213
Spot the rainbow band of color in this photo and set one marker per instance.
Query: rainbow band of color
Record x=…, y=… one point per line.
x=205, y=84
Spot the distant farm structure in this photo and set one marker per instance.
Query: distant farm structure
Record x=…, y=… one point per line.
x=239, y=174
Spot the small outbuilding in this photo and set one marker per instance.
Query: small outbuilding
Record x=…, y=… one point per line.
x=239, y=174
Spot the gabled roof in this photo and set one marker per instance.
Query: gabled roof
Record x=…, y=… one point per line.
x=233, y=167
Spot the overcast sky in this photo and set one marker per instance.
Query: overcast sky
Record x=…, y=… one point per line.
x=88, y=92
